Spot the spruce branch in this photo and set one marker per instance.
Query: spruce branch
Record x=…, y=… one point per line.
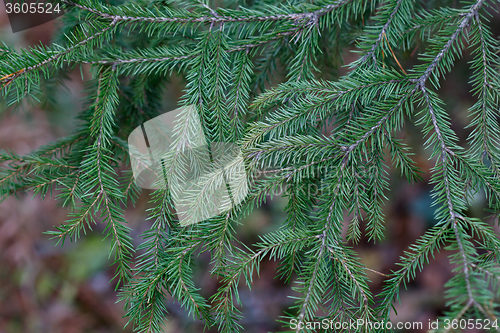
x=46, y=58
x=256, y=78
x=382, y=34
x=431, y=241
x=221, y=16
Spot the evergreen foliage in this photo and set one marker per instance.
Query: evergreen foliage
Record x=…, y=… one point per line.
x=315, y=129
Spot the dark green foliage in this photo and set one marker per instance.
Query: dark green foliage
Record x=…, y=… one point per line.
x=315, y=130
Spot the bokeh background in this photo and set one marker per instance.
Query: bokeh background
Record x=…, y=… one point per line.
x=50, y=289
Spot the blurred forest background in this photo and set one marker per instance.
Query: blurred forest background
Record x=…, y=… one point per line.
x=52, y=289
